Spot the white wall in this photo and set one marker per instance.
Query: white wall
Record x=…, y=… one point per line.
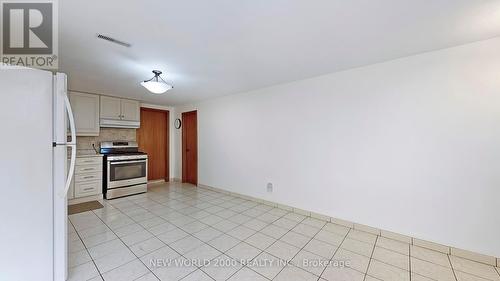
x=411, y=145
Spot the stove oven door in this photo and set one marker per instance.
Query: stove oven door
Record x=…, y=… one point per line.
x=122, y=173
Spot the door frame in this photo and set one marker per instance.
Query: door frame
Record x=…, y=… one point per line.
x=184, y=167
x=167, y=139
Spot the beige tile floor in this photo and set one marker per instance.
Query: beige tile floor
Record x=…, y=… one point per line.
x=197, y=234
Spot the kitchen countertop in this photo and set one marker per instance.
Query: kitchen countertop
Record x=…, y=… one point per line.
x=86, y=153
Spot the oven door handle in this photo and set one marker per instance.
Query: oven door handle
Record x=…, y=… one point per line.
x=126, y=162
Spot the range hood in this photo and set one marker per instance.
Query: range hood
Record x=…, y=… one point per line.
x=113, y=123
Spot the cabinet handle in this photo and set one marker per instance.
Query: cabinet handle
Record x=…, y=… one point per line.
x=88, y=188
x=88, y=177
x=88, y=169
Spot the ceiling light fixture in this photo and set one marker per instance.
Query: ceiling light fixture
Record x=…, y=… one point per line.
x=156, y=85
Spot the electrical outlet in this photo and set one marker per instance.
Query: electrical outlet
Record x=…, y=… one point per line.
x=94, y=147
x=269, y=187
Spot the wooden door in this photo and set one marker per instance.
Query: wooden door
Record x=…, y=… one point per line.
x=190, y=147
x=152, y=138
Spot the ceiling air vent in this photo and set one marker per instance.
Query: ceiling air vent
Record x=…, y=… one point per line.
x=113, y=40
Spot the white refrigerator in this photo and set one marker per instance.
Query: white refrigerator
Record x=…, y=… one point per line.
x=34, y=113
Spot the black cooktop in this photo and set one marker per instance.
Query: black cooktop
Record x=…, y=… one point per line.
x=121, y=151
x=124, y=153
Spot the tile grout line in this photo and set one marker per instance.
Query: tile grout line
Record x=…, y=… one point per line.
x=371, y=258
x=208, y=198
x=146, y=229
x=469, y=273
x=290, y=230
x=134, y=204
x=140, y=204
x=409, y=261
x=166, y=245
x=303, y=219
x=189, y=234
x=276, y=239
x=192, y=234
x=269, y=223
x=278, y=205
x=326, y=222
x=119, y=238
x=335, y=252
x=410, y=257
x=86, y=250
x=282, y=216
x=452, y=267
x=262, y=251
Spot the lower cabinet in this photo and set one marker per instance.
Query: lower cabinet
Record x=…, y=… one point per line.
x=83, y=189
x=86, y=177
x=87, y=180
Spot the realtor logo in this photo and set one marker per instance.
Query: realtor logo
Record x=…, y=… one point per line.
x=29, y=33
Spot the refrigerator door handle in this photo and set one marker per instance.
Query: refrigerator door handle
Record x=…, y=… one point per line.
x=71, y=145
x=71, y=120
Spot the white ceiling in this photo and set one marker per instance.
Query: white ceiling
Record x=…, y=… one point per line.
x=220, y=47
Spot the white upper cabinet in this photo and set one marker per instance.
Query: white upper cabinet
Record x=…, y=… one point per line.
x=86, y=113
x=130, y=110
x=111, y=108
x=119, y=113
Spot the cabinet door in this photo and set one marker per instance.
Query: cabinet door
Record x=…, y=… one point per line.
x=86, y=112
x=83, y=189
x=131, y=110
x=110, y=108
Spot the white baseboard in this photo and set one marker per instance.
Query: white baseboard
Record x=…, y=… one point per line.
x=489, y=260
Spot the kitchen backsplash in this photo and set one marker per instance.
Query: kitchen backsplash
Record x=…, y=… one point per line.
x=106, y=134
